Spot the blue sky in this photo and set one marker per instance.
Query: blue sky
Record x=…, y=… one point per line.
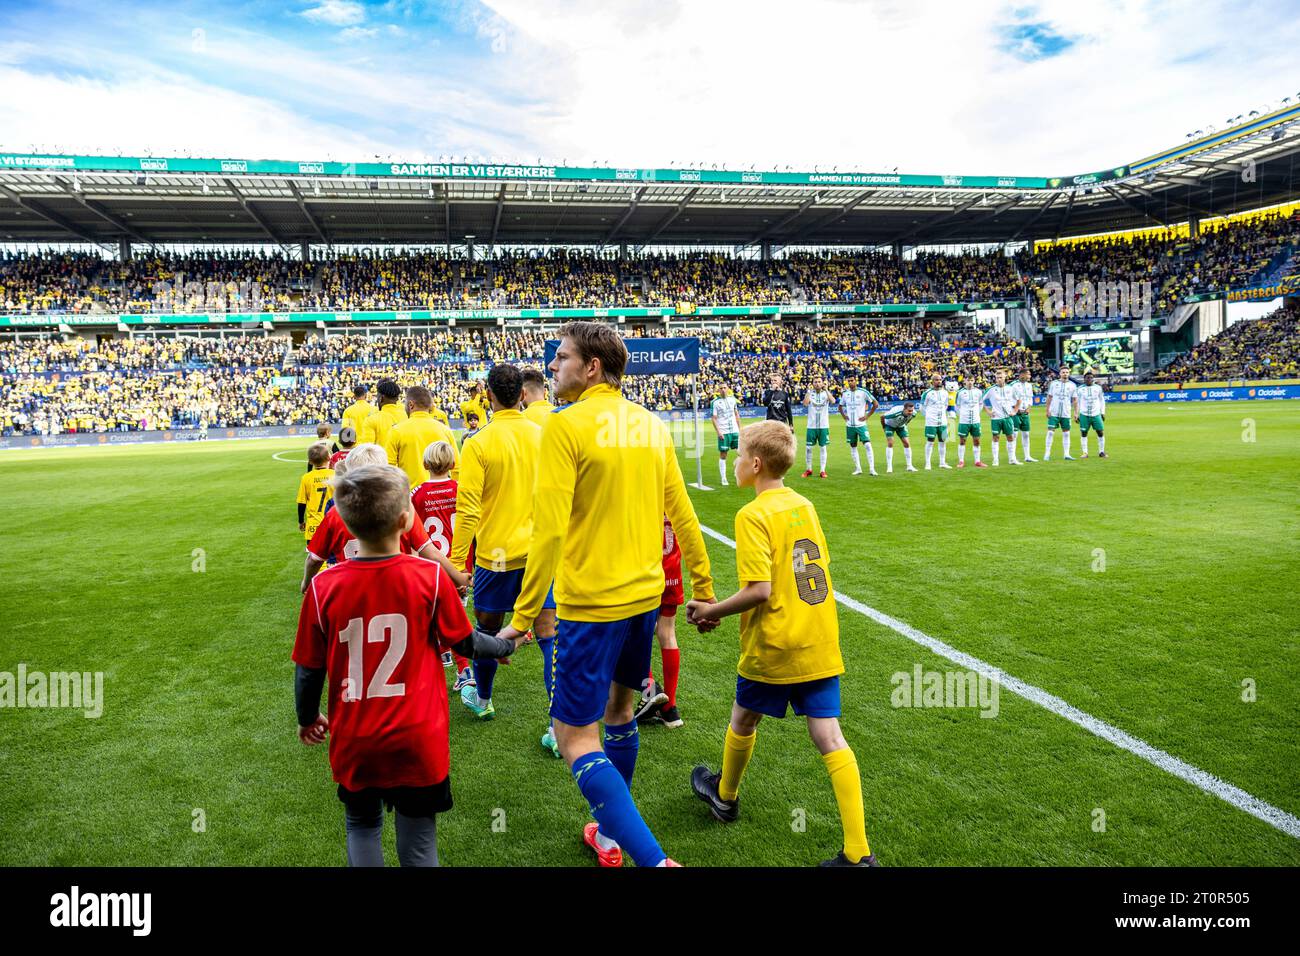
x=940, y=87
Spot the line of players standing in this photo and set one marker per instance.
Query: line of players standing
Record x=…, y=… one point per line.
x=1008, y=406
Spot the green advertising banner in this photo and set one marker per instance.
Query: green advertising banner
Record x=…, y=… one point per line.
x=891, y=308
x=237, y=318
x=45, y=319
x=498, y=171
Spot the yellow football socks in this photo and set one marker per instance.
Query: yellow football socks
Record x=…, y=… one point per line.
x=735, y=758
x=843, y=768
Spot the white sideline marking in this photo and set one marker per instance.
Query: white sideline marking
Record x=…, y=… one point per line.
x=1211, y=784
x=296, y=461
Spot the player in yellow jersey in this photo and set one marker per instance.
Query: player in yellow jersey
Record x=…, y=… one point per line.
x=355, y=415
x=476, y=404
x=536, y=407
x=789, y=636
x=408, y=439
x=494, y=512
x=314, y=489
x=375, y=428
x=607, y=477
x=440, y=416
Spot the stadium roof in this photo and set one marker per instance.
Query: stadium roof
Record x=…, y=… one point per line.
x=50, y=198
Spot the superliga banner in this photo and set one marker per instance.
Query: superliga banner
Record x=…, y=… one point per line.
x=652, y=356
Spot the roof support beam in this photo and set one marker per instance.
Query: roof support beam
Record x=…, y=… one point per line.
x=1134, y=206
x=835, y=216
x=1065, y=216
x=1201, y=210
x=927, y=225
x=784, y=221
x=669, y=219
x=627, y=214
x=51, y=217
x=307, y=213
x=102, y=213
x=496, y=220
x=1037, y=216
x=253, y=213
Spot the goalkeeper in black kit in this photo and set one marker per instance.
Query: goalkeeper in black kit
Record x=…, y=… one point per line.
x=777, y=401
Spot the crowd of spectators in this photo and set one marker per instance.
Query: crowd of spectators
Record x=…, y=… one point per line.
x=1223, y=255
x=1265, y=348
x=50, y=386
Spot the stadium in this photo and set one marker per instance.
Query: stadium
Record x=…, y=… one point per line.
x=1077, y=650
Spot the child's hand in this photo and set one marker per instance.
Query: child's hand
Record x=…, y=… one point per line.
x=697, y=613
x=315, y=733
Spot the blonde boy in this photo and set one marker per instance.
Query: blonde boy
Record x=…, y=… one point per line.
x=789, y=636
x=314, y=489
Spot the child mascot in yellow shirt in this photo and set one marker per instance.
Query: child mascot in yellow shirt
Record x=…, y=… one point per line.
x=789, y=636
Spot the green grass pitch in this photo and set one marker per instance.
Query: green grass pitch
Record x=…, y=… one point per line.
x=1198, y=528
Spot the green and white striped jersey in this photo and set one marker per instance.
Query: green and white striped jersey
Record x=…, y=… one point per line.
x=1092, y=400
x=898, y=418
x=968, y=406
x=724, y=410
x=1059, y=396
x=819, y=408
x=1023, y=392
x=1000, y=401
x=854, y=405
x=934, y=402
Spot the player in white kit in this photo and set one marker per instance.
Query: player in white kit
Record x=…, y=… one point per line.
x=970, y=400
x=856, y=406
x=818, y=401
x=726, y=422
x=1092, y=415
x=1062, y=404
x=934, y=403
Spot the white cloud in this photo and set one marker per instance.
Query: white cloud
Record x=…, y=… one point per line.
x=336, y=13
x=923, y=85
x=358, y=33
x=163, y=115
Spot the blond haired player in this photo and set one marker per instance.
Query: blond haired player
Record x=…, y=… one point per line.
x=789, y=636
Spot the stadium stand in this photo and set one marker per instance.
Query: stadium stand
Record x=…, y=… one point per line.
x=1261, y=349
x=51, y=387
x=1225, y=255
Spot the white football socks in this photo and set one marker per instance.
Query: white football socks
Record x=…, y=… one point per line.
x=1065, y=443
x=1047, y=453
x=807, y=457
x=871, y=458
x=857, y=462
x=977, y=454
x=961, y=454
x=929, y=453
x=824, y=449
x=1101, y=444
x=889, y=458
x=722, y=469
